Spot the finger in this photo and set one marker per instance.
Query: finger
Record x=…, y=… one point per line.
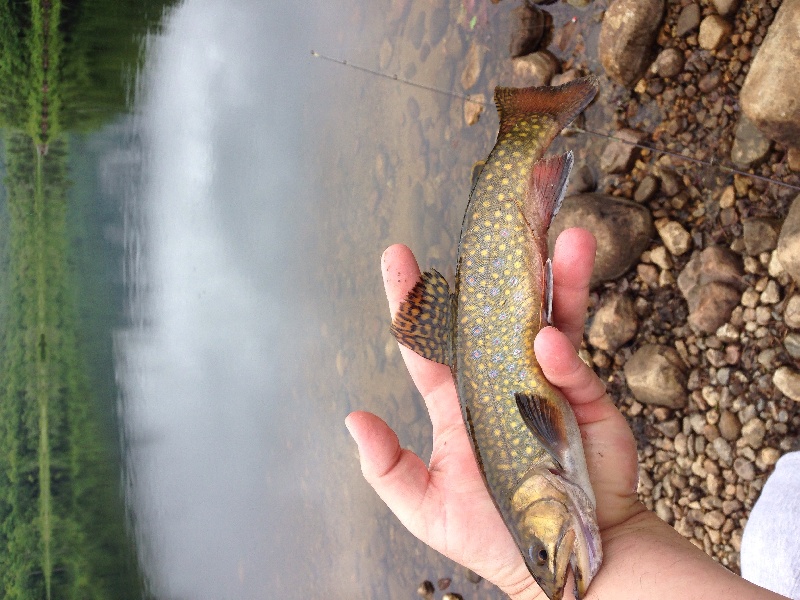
x=433, y=380
x=398, y=476
x=573, y=260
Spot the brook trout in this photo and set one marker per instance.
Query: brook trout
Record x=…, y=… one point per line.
x=523, y=431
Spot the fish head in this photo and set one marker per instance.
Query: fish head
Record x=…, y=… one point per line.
x=551, y=534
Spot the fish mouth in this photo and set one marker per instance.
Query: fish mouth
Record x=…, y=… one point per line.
x=586, y=554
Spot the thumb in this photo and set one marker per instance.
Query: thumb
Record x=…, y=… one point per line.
x=398, y=476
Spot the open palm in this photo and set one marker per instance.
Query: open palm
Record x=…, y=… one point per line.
x=445, y=503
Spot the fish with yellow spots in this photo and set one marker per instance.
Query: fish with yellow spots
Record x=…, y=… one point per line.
x=523, y=431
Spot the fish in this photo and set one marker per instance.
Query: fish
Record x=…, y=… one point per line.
x=523, y=432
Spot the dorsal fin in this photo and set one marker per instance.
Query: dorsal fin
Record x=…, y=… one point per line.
x=563, y=103
x=423, y=321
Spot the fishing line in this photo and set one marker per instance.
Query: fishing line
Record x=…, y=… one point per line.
x=699, y=161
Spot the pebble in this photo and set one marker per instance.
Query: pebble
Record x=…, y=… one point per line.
x=426, y=590
x=619, y=156
x=473, y=108
x=669, y=63
x=444, y=583
x=714, y=31
x=535, y=69
x=677, y=240
x=628, y=31
x=726, y=7
x=655, y=375
x=791, y=312
x=788, y=250
x=753, y=432
x=760, y=235
x=714, y=519
x=646, y=189
x=474, y=66
x=688, y=20
x=744, y=469
x=750, y=146
x=787, y=380
x=729, y=425
x=792, y=344
x=723, y=450
x=614, y=323
x=452, y=596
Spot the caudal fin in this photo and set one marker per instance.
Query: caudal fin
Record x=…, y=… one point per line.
x=563, y=103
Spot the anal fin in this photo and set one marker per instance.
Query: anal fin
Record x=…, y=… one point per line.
x=423, y=321
x=543, y=417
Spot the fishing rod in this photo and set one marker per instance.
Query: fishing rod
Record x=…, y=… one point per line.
x=572, y=128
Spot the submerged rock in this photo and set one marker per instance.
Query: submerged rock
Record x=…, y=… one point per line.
x=528, y=28
x=770, y=93
x=623, y=230
x=627, y=36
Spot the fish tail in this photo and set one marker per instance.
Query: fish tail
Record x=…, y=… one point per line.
x=563, y=103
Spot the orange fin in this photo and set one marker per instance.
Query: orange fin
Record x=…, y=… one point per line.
x=424, y=320
x=563, y=103
x=543, y=418
x=546, y=188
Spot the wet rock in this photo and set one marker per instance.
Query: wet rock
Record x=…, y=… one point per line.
x=788, y=250
x=417, y=31
x=614, y=323
x=787, y=380
x=750, y=146
x=669, y=63
x=627, y=34
x=440, y=21
x=582, y=180
x=760, y=235
x=471, y=575
x=714, y=31
x=385, y=54
x=688, y=20
x=726, y=7
x=623, y=230
x=711, y=282
x=426, y=590
x=535, y=69
x=620, y=153
x=443, y=583
x=770, y=91
x=452, y=596
x=675, y=237
x=474, y=66
x=528, y=26
x=655, y=375
x=729, y=425
x=791, y=313
x=473, y=108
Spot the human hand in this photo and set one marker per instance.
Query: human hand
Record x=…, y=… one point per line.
x=446, y=503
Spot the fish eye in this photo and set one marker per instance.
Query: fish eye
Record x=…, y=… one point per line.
x=539, y=556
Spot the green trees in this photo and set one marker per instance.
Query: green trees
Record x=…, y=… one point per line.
x=65, y=65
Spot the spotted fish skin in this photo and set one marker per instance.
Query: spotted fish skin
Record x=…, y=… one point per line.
x=523, y=432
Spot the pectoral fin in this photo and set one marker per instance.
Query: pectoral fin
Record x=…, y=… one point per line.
x=543, y=418
x=424, y=320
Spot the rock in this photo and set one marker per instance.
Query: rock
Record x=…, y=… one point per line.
x=770, y=91
x=724, y=451
x=750, y=146
x=787, y=380
x=712, y=283
x=473, y=67
x=714, y=31
x=620, y=153
x=582, y=180
x=726, y=7
x=646, y=190
x=426, y=590
x=614, y=323
x=793, y=159
x=753, y=433
x=471, y=575
x=709, y=81
x=655, y=375
x=791, y=313
x=729, y=425
x=675, y=237
x=444, y=583
x=688, y=20
x=788, y=250
x=623, y=230
x=714, y=519
x=473, y=108
x=792, y=344
x=671, y=184
x=669, y=63
x=760, y=235
x=744, y=469
x=627, y=34
x=385, y=54
x=528, y=26
x=535, y=69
